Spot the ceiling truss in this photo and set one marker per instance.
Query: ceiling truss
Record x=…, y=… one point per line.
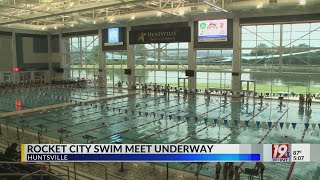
x=56, y=14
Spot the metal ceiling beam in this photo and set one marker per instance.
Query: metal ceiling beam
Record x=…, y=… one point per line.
x=154, y=8
x=25, y=8
x=75, y=10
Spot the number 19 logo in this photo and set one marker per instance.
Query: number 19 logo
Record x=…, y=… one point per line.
x=280, y=152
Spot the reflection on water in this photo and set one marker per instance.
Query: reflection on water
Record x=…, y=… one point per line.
x=171, y=77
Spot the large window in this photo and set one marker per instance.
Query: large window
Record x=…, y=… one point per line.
x=82, y=60
x=214, y=69
x=282, y=57
x=116, y=63
x=161, y=63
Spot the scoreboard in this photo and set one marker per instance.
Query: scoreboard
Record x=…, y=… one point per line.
x=170, y=152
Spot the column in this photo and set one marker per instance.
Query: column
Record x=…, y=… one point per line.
x=102, y=62
x=50, y=57
x=64, y=61
x=130, y=62
x=15, y=75
x=236, y=61
x=280, y=49
x=192, y=58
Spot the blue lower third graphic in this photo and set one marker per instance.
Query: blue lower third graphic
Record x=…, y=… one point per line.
x=145, y=157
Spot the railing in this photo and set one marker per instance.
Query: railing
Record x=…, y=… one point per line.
x=106, y=174
x=42, y=172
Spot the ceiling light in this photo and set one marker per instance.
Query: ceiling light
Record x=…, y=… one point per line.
x=159, y=14
x=48, y=8
x=72, y=25
x=55, y=27
x=205, y=10
x=94, y=22
x=111, y=19
x=71, y=4
x=181, y=12
x=44, y=28
x=302, y=2
x=259, y=5
x=132, y=17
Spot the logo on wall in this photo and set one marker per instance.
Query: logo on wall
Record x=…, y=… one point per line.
x=181, y=34
x=141, y=36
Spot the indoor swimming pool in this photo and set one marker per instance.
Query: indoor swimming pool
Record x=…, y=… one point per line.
x=144, y=119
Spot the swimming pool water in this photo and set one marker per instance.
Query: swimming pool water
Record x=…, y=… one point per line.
x=112, y=120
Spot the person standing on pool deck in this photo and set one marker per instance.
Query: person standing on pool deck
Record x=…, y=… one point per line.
x=237, y=173
x=231, y=171
x=260, y=166
x=225, y=170
x=218, y=170
x=309, y=100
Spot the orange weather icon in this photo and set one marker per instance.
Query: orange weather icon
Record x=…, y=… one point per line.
x=212, y=25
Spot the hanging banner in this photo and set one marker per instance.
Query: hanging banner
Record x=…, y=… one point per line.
x=196, y=119
x=160, y=35
x=269, y=124
x=263, y=124
x=179, y=118
x=205, y=120
x=281, y=124
x=247, y=123
x=225, y=122
x=313, y=126
x=236, y=122
x=258, y=123
x=294, y=125
x=187, y=118
x=242, y=124
x=306, y=125
x=215, y=121
x=287, y=125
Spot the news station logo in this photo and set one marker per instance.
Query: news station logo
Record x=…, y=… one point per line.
x=280, y=152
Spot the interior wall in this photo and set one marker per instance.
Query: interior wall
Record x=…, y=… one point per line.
x=32, y=52
x=6, y=53
x=29, y=55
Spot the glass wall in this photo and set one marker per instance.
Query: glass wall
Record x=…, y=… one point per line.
x=82, y=60
x=116, y=63
x=214, y=69
x=282, y=57
x=161, y=63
